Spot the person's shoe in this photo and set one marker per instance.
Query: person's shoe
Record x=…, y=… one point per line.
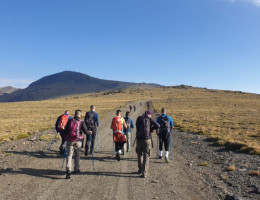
x=86, y=153
x=139, y=171
x=123, y=153
x=160, y=157
x=167, y=160
x=118, y=156
x=68, y=175
x=76, y=172
x=144, y=175
x=128, y=150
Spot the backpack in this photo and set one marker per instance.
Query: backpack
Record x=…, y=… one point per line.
x=63, y=121
x=90, y=120
x=117, y=125
x=127, y=121
x=144, y=131
x=74, y=130
x=165, y=124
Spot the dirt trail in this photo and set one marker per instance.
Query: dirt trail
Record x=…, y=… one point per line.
x=28, y=173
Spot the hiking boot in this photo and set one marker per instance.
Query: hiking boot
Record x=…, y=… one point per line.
x=167, y=160
x=76, y=172
x=123, y=153
x=160, y=157
x=118, y=156
x=139, y=171
x=68, y=175
x=86, y=153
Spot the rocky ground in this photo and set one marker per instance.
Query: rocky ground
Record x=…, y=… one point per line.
x=198, y=170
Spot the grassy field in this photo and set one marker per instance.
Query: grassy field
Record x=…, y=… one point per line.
x=231, y=119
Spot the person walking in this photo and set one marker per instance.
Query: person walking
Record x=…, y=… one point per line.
x=130, y=108
x=74, y=136
x=127, y=131
x=92, y=122
x=166, y=126
x=117, y=125
x=60, y=125
x=134, y=108
x=145, y=125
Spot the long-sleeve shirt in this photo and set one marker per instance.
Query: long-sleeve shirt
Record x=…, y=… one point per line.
x=140, y=133
x=131, y=123
x=96, y=117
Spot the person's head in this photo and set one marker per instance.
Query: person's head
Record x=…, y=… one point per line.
x=92, y=108
x=118, y=113
x=78, y=113
x=67, y=112
x=149, y=113
x=163, y=111
x=127, y=114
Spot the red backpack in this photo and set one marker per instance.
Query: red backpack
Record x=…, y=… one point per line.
x=117, y=126
x=74, y=130
x=63, y=121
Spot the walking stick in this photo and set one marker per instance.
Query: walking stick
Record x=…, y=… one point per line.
x=65, y=153
x=53, y=141
x=157, y=146
x=92, y=151
x=171, y=144
x=97, y=138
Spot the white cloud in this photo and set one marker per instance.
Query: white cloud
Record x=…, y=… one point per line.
x=19, y=83
x=256, y=2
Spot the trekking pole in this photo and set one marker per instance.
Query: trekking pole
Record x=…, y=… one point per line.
x=92, y=151
x=157, y=147
x=130, y=140
x=171, y=144
x=53, y=141
x=65, y=153
x=134, y=142
x=97, y=138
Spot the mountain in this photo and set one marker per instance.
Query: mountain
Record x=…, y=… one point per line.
x=7, y=90
x=67, y=83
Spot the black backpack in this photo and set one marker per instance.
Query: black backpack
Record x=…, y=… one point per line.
x=165, y=124
x=90, y=120
x=144, y=131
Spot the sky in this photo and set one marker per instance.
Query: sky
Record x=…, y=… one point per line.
x=202, y=43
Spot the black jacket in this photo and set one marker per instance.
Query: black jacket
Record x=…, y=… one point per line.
x=139, y=127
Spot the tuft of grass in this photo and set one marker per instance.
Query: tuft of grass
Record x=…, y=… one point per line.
x=8, y=154
x=254, y=173
x=231, y=168
x=224, y=178
x=203, y=164
x=22, y=135
x=49, y=137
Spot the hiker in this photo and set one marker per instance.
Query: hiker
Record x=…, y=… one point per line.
x=134, y=108
x=92, y=122
x=166, y=126
x=117, y=125
x=130, y=124
x=60, y=125
x=130, y=108
x=74, y=137
x=145, y=125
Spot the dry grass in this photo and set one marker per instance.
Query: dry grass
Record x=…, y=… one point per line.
x=231, y=119
x=203, y=164
x=231, y=168
x=254, y=173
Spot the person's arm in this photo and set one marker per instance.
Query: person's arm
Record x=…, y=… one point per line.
x=57, y=124
x=66, y=130
x=171, y=122
x=111, y=125
x=97, y=120
x=124, y=124
x=155, y=126
x=85, y=129
x=132, y=123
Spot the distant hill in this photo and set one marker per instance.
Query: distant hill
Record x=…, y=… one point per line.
x=67, y=83
x=7, y=90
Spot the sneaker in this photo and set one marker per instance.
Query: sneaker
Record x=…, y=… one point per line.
x=68, y=175
x=76, y=172
x=128, y=150
x=167, y=160
x=118, y=156
x=160, y=157
x=123, y=153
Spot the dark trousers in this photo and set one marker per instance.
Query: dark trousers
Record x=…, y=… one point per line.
x=62, y=134
x=119, y=146
x=164, y=138
x=88, y=142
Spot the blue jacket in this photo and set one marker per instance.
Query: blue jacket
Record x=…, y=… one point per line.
x=159, y=119
x=131, y=124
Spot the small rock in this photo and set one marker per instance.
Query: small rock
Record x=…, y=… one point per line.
x=155, y=181
x=174, y=192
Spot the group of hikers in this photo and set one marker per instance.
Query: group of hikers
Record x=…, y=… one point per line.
x=71, y=130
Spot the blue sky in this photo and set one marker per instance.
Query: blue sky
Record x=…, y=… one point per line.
x=204, y=43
